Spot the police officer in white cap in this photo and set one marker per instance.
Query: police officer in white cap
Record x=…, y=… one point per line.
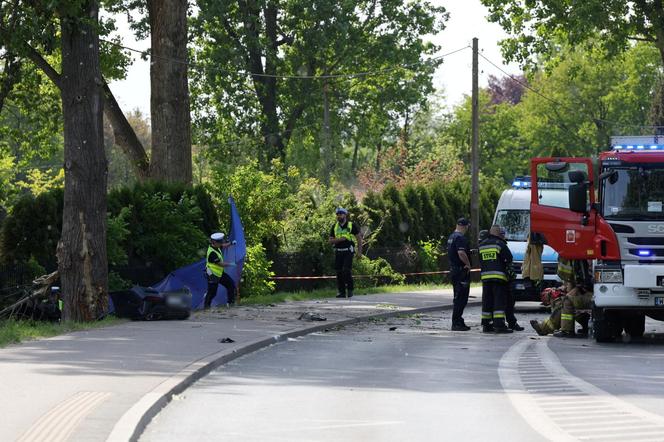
x=214, y=269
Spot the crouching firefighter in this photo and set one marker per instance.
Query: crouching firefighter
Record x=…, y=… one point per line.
x=495, y=263
x=214, y=270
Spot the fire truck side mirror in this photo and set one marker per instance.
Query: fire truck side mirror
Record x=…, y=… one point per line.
x=578, y=198
x=577, y=176
x=557, y=166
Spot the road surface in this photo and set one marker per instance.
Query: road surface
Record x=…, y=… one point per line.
x=411, y=378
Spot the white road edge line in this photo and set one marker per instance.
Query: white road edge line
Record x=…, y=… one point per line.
x=525, y=404
x=523, y=401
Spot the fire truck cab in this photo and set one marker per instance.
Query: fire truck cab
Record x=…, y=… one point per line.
x=615, y=218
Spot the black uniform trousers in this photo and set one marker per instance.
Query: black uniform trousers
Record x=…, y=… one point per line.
x=494, y=301
x=213, y=283
x=343, y=264
x=509, y=304
x=461, y=285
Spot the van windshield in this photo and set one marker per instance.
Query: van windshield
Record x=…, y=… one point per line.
x=515, y=222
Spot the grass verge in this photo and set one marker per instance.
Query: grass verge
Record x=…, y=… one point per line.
x=14, y=332
x=331, y=293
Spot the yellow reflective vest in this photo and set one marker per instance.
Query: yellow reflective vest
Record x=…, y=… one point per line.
x=344, y=232
x=214, y=268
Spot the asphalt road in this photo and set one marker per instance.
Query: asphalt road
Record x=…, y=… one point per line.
x=411, y=378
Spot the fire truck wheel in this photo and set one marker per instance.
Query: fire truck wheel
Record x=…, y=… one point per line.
x=634, y=324
x=605, y=326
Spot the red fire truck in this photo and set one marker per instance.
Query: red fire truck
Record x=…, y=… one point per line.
x=614, y=217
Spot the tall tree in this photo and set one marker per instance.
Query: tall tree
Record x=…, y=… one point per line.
x=533, y=24
x=28, y=28
x=165, y=22
x=82, y=260
x=169, y=92
x=266, y=65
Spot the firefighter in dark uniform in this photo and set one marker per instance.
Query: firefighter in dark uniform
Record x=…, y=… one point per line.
x=495, y=263
x=343, y=235
x=457, y=254
x=214, y=269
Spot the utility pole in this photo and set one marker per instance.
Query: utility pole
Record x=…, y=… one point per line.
x=327, y=159
x=475, y=155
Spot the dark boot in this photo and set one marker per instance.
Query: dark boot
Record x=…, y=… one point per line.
x=341, y=295
x=563, y=334
x=487, y=328
x=350, y=294
x=499, y=330
x=460, y=327
x=515, y=327
x=537, y=327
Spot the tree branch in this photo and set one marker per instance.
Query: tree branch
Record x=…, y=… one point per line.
x=125, y=136
x=11, y=70
x=44, y=65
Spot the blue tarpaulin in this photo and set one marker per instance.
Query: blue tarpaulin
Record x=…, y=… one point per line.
x=193, y=275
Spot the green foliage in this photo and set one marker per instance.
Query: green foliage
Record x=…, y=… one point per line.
x=168, y=231
x=261, y=197
x=378, y=270
x=426, y=213
x=429, y=253
x=594, y=96
x=14, y=332
x=236, y=115
x=162, y=225
x=256, y=273
x=538, y=26
x=116, y=235
x=33, y=229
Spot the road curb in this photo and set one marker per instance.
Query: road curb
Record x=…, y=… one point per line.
x=134, y=421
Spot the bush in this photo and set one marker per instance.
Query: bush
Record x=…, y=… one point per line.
x=32, y=230
x=425, y=213
x=429, y=253
x=256, y=273
x=378, y=270
x=163, y=226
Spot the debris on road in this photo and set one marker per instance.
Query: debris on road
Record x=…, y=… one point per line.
x=308, y=316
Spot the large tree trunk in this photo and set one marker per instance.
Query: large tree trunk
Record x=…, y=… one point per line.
x=169, y=101
x=82, y=261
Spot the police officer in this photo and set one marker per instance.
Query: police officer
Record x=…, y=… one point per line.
x=495, y=262
x=342, y=236
x=457, y=254
x=214, y=269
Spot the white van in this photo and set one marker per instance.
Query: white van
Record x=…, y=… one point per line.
x=513, y=214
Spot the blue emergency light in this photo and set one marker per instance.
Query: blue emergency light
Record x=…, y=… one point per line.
x=643, y=252
x=522, y=182
x=639, y=147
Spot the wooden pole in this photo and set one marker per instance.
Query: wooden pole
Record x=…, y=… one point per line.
x=475, y=154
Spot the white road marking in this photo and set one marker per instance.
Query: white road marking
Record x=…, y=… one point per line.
x=569, y=408
x=60, y=422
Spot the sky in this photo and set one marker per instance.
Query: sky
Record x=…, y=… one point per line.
x=467, y=20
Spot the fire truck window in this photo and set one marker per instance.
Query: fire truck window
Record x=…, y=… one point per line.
x=638, y=194
x=552, y=187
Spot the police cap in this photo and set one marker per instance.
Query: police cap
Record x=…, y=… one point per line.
x=217, y=236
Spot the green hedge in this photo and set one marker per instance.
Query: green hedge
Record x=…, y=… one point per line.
x=162, y=225
x=424, y=213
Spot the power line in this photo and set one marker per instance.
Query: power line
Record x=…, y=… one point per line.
x=297, y=77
